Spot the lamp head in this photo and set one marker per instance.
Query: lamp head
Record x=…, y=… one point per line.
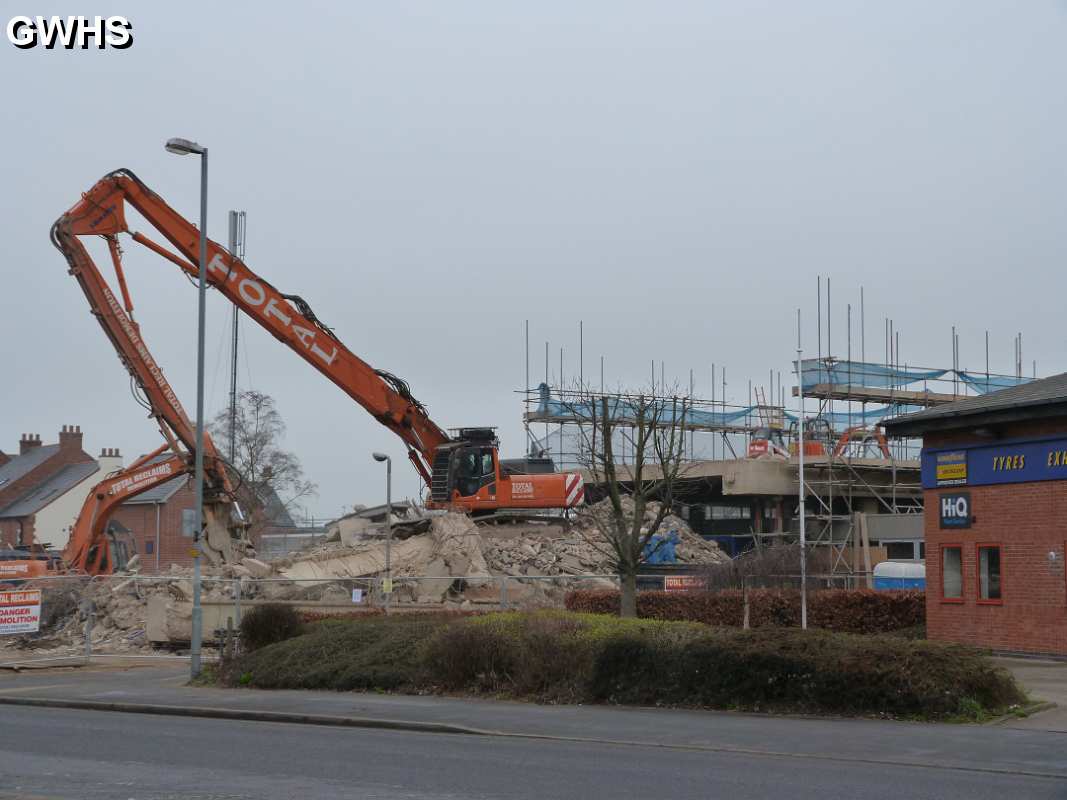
x=380, y=456
x=183, y=147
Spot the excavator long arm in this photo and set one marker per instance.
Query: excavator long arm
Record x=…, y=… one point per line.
x=85, y=551
x=287, y=317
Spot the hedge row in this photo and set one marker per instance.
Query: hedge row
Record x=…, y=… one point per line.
x=558, y=656
x=846, y=611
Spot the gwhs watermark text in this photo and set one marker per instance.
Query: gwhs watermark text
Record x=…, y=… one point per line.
x=70, y=32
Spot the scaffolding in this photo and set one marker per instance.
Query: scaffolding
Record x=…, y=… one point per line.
x=853, y=469
x=853, y=396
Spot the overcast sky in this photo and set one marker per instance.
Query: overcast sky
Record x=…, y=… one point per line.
x=429, y=175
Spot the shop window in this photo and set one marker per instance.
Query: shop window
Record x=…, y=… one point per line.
x=989, y=590
x=731, y=512
x=899, y=551
x=952, y=573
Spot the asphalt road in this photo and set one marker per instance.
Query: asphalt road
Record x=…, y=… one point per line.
x=59, y=753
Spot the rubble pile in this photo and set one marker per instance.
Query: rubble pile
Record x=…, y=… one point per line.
x=437, y=558
x=583, y=547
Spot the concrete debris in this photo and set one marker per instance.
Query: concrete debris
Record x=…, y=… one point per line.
x=258, y=569
x=455, y=547
x=452, y=563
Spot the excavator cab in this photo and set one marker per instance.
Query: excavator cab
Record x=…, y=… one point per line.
x=464, y=467
x=468, y=475
x=120, y=548
x=767, y=442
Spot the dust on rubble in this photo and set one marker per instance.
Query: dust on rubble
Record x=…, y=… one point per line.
x=454, y=560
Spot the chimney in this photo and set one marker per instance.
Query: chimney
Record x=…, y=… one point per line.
x=109, y=461
x=70, y=438
x=28, y=442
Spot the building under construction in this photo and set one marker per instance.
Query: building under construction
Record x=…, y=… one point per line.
x=740, y=483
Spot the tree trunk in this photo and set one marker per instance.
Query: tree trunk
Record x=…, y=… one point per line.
x=628, y=594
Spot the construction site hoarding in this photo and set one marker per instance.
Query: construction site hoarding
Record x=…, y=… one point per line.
x=20, y=612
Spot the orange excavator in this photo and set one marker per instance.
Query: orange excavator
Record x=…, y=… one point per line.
x=462, y=471
x=90, y=547
x=89, y=550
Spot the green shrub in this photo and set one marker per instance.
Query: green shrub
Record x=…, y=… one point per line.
x=268, y=624
x=795, y=670
x=565, y=657
x=375, y=652
x=847, y=611
x=547, y=655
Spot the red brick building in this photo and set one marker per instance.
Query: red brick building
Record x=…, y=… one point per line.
x=994, y=474
x=162, y=519
x=161, y=523
x=42, y=488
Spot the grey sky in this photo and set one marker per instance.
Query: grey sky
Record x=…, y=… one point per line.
x=428, y=175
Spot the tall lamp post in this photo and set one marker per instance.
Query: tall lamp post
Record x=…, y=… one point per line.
x=387, y=584
x=801, y=490
x=184, y=147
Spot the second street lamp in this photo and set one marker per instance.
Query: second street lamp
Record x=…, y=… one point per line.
x=387, y=584
x=184, y=147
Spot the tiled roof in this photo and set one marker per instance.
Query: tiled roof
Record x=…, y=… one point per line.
x=44, y=493
x=161, y=493
x=1042, y=392
x=22, y=464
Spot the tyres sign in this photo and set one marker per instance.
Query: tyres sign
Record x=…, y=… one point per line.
x=20, y=612
x=955, y=510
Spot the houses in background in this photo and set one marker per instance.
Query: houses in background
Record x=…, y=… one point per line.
x=43, y=487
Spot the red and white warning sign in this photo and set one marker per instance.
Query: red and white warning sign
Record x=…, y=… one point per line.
x=20, y=612
x=684, y=583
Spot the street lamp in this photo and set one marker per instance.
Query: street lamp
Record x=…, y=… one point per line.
x=801, y=489
x=387, y=584
x=184, y=147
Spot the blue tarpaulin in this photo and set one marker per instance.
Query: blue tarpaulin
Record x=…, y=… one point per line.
x=816, y=371
x=626, y=411
x=983, y=383
x=660, y=548
x=842, y=419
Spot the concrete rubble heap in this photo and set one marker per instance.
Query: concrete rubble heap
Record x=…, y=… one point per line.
x=456, y=562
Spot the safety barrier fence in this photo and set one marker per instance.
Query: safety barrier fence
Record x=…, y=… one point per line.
x=144, y=617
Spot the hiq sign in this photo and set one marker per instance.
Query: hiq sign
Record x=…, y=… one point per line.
x=955, y=510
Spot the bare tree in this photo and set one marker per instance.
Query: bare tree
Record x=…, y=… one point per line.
x=264, y=470
x=640, y=483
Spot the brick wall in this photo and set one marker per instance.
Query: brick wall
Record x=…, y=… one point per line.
x=140, y=518
x=70, y=452
x=1027, y=521
x=9, y=531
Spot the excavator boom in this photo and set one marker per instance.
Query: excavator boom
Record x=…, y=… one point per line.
x=287, y=317
x=87, y=550
x=462, y=472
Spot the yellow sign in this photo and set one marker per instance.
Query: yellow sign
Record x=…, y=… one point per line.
x=387, y=585
x=951, y=469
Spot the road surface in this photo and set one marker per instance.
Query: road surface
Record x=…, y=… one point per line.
x=61, y=753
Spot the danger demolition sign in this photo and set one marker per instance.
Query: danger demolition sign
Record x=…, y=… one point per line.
x=20, y=612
